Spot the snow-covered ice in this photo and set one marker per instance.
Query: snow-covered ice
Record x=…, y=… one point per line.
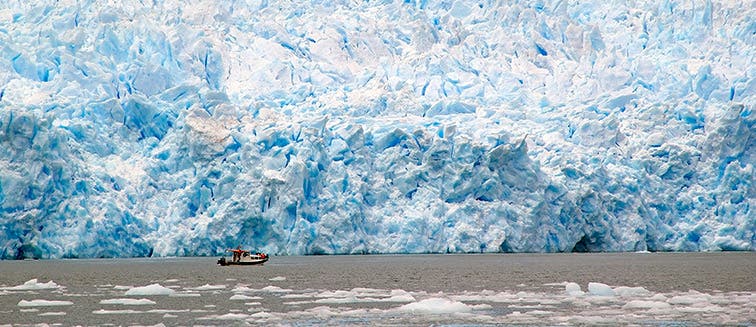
x=573, y=289
x=600, y=289
x=32, y=285
x=208, y=287
x=436, y=306
x=152, y=289
x=242, y=297
x=128, y=301
x=115, y=312
x=178, y=127
x=43, y=303
x=553, y=304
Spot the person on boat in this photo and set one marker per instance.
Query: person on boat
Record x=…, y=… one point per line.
x=237, y=253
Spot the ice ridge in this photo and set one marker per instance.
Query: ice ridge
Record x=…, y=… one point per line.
x=172, y=128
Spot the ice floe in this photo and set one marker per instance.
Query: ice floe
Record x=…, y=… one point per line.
x=128, y=301
x=436, y=306
x=152, y=289
x=32, y=285
x=43, y=303
x=208, y=287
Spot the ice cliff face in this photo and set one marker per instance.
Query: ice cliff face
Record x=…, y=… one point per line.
x=135, y=128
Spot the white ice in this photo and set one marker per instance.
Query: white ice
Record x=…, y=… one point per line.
x=436, y=306
x=128, y=301
x=32, y=285
x=152, y=289
x=208, y=287
x=242, y=297
x=43, y=303
x=603, y=304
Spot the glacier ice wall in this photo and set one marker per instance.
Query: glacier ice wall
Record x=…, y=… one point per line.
x=184, y=127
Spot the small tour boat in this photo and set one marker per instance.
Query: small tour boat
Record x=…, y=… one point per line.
x=243, y=258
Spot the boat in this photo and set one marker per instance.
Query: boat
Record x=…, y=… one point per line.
x=243, y=258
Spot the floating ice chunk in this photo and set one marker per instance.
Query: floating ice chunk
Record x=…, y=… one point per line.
x=631, y=291
x=600, y=289
x=338, y=300
x=275, y=289
x=128, y=301
x=152, y=289
x=268, y=289
x=228, y=316
x=399, y=296
x=31, y=285
x=43, y=303
x=640, y=304
x=208, y=287
x=573, y=289
x=115, y=312
x=691, y=297
x=277, y=279
x=169, y=311
x=242, y=297
x=185, y=294
x=436, y=306
x=242, y=289
x=261, y=315
x=539, y=313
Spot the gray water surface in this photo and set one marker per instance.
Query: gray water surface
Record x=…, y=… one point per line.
x=655, y=289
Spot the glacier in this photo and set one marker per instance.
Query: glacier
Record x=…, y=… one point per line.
x=185, y=127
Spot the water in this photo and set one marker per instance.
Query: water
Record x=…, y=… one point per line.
x=659, y=289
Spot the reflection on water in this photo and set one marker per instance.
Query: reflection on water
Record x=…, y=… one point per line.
x=531, y=289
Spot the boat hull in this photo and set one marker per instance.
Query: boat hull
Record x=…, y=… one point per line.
x=243, y=262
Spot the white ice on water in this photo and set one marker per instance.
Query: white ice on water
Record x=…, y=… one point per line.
x=31, y=285
x=551, y=304
x=128, y=301
x=600, y=289
x=208, y=287
x=242, y=297
x=43, y=303
x=605, y=304
x=436, y=306
x=178, y=127
x=152, y=289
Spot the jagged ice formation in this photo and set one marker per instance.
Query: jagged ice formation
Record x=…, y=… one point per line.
x=138, y=128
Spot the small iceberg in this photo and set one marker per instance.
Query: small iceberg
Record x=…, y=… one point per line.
x=43, y=303
x=128, y=301
x=32, y=285
x=152, y=289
